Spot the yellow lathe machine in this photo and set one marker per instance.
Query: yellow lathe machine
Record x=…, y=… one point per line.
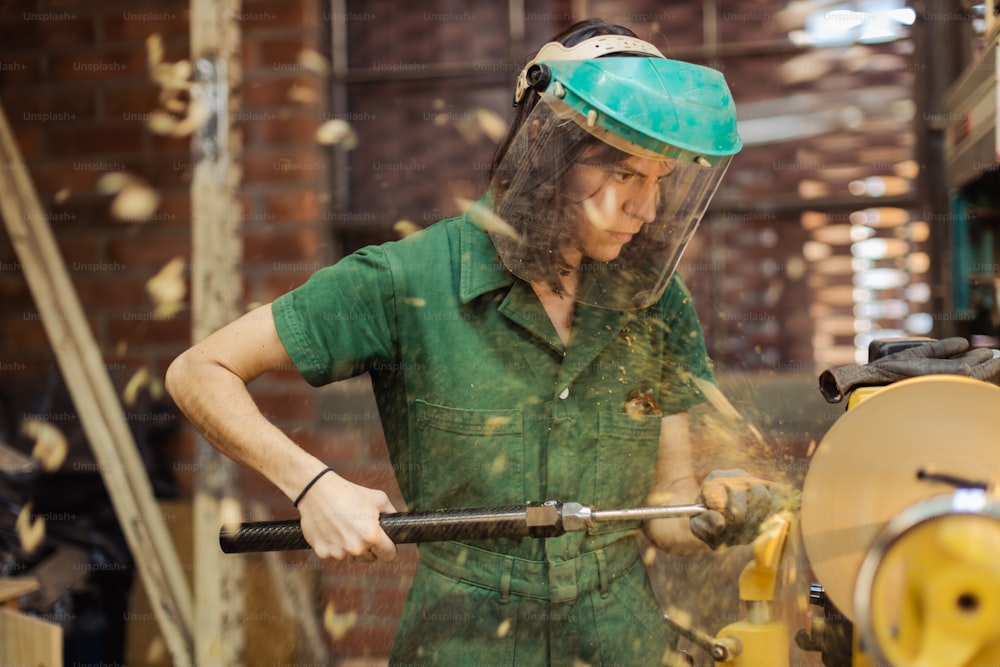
x=901, y=527
x=901, y=524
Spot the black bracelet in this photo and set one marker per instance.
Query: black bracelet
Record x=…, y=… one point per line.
x=310, y=485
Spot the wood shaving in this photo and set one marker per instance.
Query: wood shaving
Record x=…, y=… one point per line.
x=182, y=110
x=30, y=533
x=336, y=624
x=487, y=219
x=135, y=384
x=314, y=61
x=492, y=125
x=50, y=444
x=337, y=132
x=156, y=651
x=302, y=94
x=137, y=201
x=167, y=288
x=406, y=227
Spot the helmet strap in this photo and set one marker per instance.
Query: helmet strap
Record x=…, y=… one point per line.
x=595, y=47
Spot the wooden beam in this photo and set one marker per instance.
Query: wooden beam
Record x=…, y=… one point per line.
x=216, y=300
x=29, y=641
x=100, y=411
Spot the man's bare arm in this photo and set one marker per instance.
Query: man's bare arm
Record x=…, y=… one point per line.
x=209, y=384
x=674, y=484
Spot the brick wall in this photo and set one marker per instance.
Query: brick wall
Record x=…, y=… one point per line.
x=76, y=90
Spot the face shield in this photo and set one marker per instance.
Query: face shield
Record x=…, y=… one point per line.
x=609, y=176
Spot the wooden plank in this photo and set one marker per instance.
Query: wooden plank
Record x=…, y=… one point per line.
x=29, y=641
x=216, y=300
x=12, y=588
x=100, y=411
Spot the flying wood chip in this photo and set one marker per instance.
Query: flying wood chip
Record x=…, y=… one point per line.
x=486, y=218
x=182, y=109
x=492, y=125
x=167, y=288
x=135, y=384
x=302, y=94
x=314, y=61
x=336, y=624
x=30, y=533
x=50, y=443
x=136, y=202
x=405, y=227
x=337, y=131
x=134, y=199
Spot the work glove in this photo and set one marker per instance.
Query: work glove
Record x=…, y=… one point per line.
x=949, y=356
x=737, y=503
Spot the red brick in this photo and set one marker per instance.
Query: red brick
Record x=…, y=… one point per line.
x=31, y=106
x=348, y=598
x=299, y=249
x=136, y=24
x=108, y=291
x=288, y=129
x=255, y=16
x=96, y=140
x=179, y=148
x=98, y=66
x=14, y=292
x=293, y=206
x=132, y=104
x=29, y=141
x=147, y=249
x=175, y=208
x=16, y=33
x=84, y=250
x=388, y=600
x=139, y=327
x=288, y=406
x=169, y=173
x=76, y=31
x=277, y=284
x=18, y=69
x=23, y=330
x=79, y=176
x=271, y=93
x=365, y=640
x=286, y=167
x=278, y=55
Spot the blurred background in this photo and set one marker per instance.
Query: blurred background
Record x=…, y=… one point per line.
x=863, y=206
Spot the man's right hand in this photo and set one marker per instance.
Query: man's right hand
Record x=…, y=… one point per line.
x=340, y=519
x=209, y=384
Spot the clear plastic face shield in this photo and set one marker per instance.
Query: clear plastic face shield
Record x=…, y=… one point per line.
x=620, y=220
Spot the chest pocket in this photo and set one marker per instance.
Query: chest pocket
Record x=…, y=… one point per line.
x=627, y=448
x=469, y=458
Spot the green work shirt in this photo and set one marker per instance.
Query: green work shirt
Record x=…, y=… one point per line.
x=480, y=402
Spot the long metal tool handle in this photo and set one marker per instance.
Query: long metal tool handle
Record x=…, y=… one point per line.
x=402, y=528
x=647, y=513
x=549, y=519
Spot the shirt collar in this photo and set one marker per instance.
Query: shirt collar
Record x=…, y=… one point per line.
x=481, y=270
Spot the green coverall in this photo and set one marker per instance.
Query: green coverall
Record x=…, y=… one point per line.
x=482, y=405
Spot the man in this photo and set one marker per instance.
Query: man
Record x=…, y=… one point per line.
x=538, y=347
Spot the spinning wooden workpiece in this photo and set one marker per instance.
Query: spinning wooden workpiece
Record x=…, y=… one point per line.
x=901, y=525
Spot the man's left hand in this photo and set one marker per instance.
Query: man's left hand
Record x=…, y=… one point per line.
x=737, y=503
